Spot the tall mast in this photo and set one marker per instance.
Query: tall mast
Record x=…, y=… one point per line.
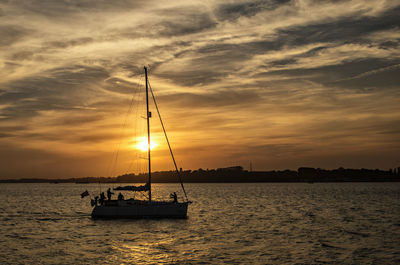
x=148, y=130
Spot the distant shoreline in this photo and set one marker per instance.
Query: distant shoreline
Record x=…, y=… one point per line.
x=237, y=175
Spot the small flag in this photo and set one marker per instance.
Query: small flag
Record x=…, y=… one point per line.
x=84, y=194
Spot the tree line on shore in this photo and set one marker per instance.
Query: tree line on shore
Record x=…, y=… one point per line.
x=237, y=174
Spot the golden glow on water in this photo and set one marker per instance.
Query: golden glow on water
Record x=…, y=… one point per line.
x=144, y=252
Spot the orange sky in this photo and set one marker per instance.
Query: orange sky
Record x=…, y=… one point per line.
x=281, y=84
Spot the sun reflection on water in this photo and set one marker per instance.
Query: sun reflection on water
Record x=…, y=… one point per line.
x=145, y=252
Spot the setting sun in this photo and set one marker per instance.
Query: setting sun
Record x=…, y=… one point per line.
x=143, y=145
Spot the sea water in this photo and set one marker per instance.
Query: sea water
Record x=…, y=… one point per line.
x=251, y=223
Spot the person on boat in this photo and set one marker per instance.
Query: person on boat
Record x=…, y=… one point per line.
x=109, y=193
x=174, y=196
x=95, y=200
x=102, y=198
x=120, y=197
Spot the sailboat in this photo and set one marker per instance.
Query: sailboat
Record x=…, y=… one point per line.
x=149, y=208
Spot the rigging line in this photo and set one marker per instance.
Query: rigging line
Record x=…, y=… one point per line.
x=135, y=111
x=135, y=125
x=115, y=156
x=137, y=91
x=135, y=121
x=169, y=146
x=124, y=126
x=138, y=129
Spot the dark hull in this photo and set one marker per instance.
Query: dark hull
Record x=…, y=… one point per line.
x=140, y=209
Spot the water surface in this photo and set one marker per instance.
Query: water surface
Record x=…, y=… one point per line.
x=252, y=223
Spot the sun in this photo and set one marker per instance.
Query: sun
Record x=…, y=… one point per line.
x=143, y=145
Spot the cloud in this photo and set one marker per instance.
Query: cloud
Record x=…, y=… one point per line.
x=348, y=74
x=68, y=43
x=382, y=78
x=51, y=90
x=210, y=63
x=11, y=34
x=347, y=29
x=184, y=21
x=79, y=119
x=375, y=71
x=217, y=99
x=233, y=11
x=95, y=138
x=22, y=55
x=65, y=7
x=119, y=85
x=3, y=135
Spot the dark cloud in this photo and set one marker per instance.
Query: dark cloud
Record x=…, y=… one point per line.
x=79, y=119
x=5, y=135
x=133, y=63
x=62, y=44
x=393, y=131
x=193, y=77
x=109, y=105
x=62, y=8
x=11, y=131
x=46, y=136
x=22, y=55
x=215, y=61
x=348, y=74
x=56, y=89
x=70, y=134
x=223, y=99
x=242, y=50
x=382, y=78
x=184, y=23
x=345, y=129
x=233, y=11
x=343, y=30
x=283, y=62
x=179, y=21
x=391, y=44
x=10, y=34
